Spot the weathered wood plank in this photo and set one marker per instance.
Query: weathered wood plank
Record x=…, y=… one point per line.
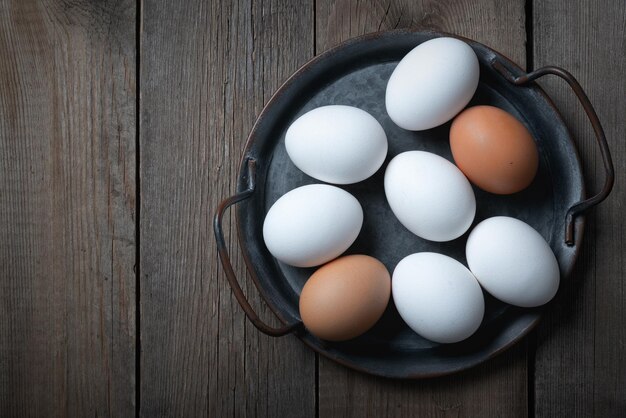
x=207, y=69
x=67, y=208
x=580, y=365
x=500, y=25
x=498, y=388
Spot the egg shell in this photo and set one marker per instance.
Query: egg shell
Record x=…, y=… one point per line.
x=312, y=224
x=513, y=262
x=432, y=83
x=493, y=149
x=429, y=195
x=337, y=144
x=345, y=298
x=438, y=297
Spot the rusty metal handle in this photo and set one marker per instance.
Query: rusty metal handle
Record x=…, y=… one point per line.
x=225, y=258
x=609, y=177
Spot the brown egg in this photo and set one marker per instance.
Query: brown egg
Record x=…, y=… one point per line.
x=345, y=297
x=493, y=149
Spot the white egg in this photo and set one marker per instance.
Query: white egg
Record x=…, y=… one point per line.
x=432, y=83
x=429, y=195
x=438, y=297
x=337, y=144
x=312, y=224
x=513, y=262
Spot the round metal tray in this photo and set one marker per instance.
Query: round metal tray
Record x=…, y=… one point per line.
x=356, y=73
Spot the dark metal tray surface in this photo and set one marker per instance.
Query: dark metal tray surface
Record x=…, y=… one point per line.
x=356, y=74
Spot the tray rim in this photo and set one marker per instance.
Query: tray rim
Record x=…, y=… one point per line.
x=534, y=314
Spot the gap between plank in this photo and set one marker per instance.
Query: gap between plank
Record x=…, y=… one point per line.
x=528, y=8
x=138, y=24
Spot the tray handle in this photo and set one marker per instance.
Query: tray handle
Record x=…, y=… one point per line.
x=609, y=177
x=225, y=258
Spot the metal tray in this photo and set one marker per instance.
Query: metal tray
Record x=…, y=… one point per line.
x=356, y=73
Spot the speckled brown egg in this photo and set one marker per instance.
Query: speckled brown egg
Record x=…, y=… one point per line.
x=345, y=297
x=493, y=149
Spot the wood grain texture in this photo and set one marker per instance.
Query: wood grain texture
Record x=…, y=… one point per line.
x=207, y=69
x=67, y=208
x=495, y=389
x=580, y=368
x=498, y=388
x=499, y=25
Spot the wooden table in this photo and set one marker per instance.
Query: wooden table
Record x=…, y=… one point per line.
x=121, y=124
